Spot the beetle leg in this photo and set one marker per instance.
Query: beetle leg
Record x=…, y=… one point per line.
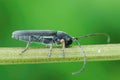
x=63, y=47
x=27, y=46
x=63, y=54
x=51, y=46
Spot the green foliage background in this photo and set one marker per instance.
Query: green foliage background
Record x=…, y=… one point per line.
x=76, y=17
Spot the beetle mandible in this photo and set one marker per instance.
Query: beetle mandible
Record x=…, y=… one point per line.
x=51, y=37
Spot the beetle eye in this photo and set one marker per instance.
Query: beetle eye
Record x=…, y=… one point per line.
x=67, y=39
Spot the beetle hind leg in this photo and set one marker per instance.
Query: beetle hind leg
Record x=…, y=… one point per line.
x=27, y=46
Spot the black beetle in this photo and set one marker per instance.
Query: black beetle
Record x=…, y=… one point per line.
x=51, y=36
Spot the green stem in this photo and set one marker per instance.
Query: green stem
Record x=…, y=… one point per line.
x=72, y=54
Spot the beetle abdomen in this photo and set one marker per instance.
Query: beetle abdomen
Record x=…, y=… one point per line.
x=34, y=32
x=36, y=35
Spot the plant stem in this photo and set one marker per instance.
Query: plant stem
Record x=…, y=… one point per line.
x=72, y=54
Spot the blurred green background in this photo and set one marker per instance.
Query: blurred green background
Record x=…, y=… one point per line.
x=76, y=17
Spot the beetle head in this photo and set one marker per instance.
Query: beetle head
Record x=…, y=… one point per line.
x=62, y=35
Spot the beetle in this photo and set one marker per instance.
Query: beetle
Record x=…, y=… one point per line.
x=51, y=37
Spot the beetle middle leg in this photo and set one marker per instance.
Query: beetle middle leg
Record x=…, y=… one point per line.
x=51, y=46
x=27, y=46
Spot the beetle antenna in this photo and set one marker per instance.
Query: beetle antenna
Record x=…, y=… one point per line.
x=84, y=64
x=97, y=34
x=82, y=49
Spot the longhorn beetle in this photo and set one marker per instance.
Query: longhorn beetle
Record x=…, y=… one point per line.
x=50, y=37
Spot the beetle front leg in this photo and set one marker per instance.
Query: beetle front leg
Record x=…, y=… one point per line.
x=63, y=47
x=63, y=54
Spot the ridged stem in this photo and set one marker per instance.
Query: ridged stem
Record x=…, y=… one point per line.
x=10, y=55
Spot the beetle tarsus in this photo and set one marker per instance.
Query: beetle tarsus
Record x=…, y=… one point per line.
x=24, y=50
